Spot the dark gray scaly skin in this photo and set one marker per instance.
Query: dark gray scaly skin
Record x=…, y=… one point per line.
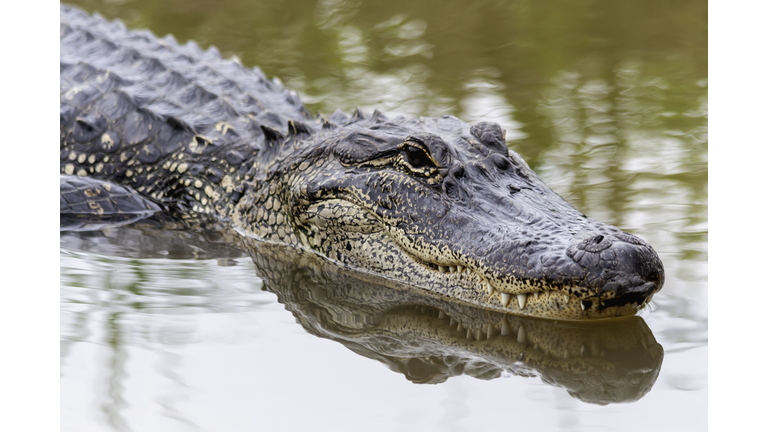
x=434, y=202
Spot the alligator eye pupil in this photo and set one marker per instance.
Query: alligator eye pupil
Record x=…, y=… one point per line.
x=416, y=157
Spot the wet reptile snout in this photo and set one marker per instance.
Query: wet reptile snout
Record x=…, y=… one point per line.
x=618, y=265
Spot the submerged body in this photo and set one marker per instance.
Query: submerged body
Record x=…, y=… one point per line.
x=436, y=203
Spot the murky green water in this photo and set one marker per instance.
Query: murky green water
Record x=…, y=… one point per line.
x=606, y=100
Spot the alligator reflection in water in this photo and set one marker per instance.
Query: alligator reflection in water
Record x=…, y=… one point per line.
x=419, y=335
x=429, y=340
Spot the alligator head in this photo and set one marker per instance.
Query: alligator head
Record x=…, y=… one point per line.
x=446, y=207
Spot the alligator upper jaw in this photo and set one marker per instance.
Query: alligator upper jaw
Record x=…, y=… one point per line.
x=545, y=279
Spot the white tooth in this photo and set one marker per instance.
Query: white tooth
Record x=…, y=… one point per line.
x=521, y=299
x=505, y=298
x=489, y=332
x=505, y=330
x=451, y=323
x=566, y=297
x=452, y=269
x=460, y=268
x=536, y=295
x=459, y=328
x=469, y=334
x=442, y=269
x=490, y=289
x=521, y=336
x=478, y=335
x=441, y=315
x=582, y=306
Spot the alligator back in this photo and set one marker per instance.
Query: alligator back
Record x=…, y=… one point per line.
x=152, y=113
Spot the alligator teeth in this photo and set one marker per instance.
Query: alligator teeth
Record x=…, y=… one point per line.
x=441, y=315
x=452, y=269
x=583, y=305
x=505, y=330
x=505, y=298
x=521, y=299
x=490, y=288
x=442, y=269
x=566, y=297
x=536, y=295
x=522, y=338
x=460, y=268
x=489, y=332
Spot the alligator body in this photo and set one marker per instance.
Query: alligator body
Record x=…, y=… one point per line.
x=436, y=203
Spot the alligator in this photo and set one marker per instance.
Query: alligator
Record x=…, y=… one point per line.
x=148, y=125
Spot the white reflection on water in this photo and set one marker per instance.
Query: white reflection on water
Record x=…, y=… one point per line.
x=485, y=102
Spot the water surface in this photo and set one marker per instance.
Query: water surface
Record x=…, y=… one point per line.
x=606, y=101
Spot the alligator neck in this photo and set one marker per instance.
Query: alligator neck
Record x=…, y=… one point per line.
x=198, y=179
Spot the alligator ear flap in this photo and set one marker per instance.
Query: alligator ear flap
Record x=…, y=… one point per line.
x=379, y=117
x=358, y=115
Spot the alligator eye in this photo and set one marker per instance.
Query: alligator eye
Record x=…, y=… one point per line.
x=417, y=157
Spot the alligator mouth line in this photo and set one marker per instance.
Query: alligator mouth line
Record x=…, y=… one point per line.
x=560, y=299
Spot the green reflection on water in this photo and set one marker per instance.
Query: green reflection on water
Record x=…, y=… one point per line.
x=594, y=82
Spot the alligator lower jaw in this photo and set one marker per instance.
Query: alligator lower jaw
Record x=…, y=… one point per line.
x=557, y=305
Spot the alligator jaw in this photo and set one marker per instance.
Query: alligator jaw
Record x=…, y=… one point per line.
x=329, y=219
x=555, y=303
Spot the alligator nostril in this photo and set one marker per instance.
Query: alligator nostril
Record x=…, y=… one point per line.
x=598, y=239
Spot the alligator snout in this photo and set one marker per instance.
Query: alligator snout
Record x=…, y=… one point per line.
x=619, y=268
